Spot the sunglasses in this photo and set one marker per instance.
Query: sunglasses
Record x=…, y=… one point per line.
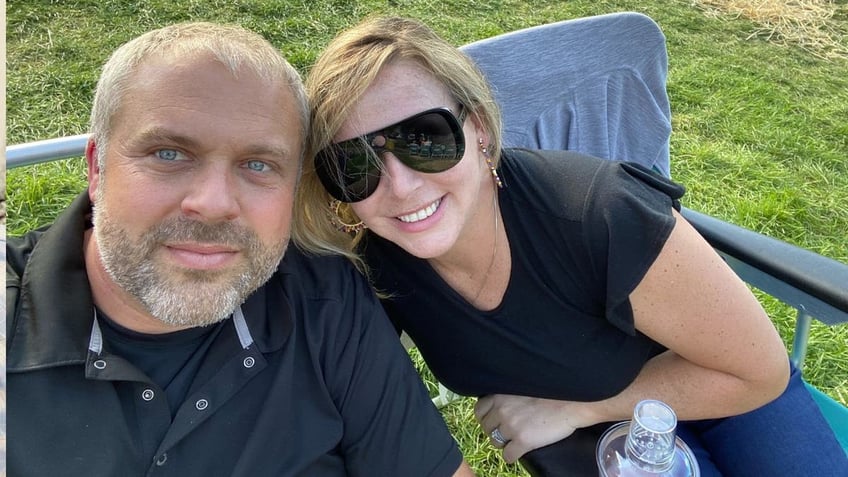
x=431, y=141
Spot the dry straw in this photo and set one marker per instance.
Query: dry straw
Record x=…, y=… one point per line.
x=808, y=24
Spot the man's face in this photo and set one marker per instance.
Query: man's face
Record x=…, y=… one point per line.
x=193, y=208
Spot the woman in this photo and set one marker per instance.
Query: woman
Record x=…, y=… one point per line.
x=560, y=289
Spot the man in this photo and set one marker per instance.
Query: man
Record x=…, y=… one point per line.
x=153, y=328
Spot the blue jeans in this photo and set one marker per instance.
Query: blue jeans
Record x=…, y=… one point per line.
x=787, y=437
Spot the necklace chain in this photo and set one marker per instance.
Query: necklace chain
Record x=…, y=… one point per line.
x=494, y=248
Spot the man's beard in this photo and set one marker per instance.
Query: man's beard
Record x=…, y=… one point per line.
x=178, y=296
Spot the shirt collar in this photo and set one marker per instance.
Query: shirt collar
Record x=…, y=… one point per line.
x=55, y=303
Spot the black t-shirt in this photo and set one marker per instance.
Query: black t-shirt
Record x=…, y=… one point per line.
x=582, y=233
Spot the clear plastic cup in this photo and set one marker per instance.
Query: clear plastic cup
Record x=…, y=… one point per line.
x=646, y=446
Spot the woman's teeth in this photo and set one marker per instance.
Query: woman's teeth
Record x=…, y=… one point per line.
x=421, y=214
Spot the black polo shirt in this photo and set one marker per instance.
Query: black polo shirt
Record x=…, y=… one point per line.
x=310, y=379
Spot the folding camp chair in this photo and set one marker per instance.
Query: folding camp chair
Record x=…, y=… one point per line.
x=598, y=85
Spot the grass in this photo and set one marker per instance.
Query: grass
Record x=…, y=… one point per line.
x=760, y=116
x=809, y=24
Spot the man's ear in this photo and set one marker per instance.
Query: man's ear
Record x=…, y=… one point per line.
x=93, y=168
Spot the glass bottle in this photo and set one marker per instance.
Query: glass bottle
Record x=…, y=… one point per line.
x=646, y=446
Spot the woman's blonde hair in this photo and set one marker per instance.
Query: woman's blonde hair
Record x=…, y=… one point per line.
x=337, y=81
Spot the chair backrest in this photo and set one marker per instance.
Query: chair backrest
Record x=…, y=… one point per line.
x=596, y=85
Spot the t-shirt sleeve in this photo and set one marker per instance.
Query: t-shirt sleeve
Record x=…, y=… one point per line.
x=391, y=425
x=628, y=220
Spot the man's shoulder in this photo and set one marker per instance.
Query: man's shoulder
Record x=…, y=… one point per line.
x=326, y=297
x=61, y=238
x=19, y=249
x=319, y=276
x=296, y=260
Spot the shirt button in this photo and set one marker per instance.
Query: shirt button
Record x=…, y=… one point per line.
x=249, y=362
x=201, y=404
x=160, y=461
x=148, y=394
x=100, y=364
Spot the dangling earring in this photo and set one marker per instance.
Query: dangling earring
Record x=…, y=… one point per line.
x=336, y=220
x=489, y=163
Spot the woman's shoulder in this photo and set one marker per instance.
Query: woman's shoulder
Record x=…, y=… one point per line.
x=554, y=181
x=576, y=180
x=552, y=163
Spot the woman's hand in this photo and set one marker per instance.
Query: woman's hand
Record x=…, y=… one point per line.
x=527, y=423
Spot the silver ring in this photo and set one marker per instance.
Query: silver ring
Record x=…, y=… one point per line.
x=498, y=437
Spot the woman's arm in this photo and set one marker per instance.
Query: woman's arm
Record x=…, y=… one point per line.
x=724, y=355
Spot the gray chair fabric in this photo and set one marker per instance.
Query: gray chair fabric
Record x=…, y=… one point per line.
x=596, y=85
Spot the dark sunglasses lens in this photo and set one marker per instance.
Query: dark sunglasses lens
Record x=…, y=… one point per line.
x=431, y=142
x=348, y=171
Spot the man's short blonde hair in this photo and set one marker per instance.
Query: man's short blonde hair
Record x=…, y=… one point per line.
x=236, y=48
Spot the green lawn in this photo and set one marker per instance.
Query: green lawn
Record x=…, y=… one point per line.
x=760, y=129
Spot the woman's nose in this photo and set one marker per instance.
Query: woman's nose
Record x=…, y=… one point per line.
x=398, y=177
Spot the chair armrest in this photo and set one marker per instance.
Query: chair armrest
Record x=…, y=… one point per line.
x=803, y=279
x=44, y=151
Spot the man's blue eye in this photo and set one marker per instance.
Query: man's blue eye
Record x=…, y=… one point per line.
x=167, y=154
x=257, y=166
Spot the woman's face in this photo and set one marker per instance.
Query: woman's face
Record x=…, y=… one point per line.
x=426, y=214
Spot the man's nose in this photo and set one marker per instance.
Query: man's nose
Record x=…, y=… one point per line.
x=212, y=194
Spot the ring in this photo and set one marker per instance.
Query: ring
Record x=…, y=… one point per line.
x=498, y=437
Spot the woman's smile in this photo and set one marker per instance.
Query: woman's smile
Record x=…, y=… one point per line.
x=421, y=214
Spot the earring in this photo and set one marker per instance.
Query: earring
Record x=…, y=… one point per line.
x=336, y=220
x=489, y=163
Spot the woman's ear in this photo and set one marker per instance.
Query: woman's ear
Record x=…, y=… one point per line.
x=479, y=130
